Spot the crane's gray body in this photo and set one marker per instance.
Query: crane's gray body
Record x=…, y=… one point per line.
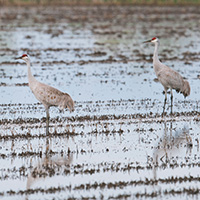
x=169, y=78
x=50, y=96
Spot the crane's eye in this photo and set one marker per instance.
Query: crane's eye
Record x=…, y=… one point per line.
x=154, y=38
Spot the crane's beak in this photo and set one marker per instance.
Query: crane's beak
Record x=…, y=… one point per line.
x=147, y=41
x=16, y=58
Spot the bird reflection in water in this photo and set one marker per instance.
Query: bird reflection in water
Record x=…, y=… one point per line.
x=172, y=144
x=48, y=167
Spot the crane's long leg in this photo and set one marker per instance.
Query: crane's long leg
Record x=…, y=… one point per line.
x=171, y=101
x=164, y=102
x=47, y=121
x=47, y=145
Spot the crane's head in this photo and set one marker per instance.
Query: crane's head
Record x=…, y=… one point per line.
x=24, y=57
x=154, y=39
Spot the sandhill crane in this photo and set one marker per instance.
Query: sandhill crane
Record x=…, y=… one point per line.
x=169, y=78
x=46, y=94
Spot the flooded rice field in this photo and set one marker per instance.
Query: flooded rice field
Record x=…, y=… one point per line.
x=116, y=144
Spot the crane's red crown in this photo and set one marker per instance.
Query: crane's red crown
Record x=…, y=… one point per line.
x=154, y=38
x=24, y=55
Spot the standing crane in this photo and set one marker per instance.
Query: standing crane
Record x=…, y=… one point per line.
x=169, y=78
x=46, y=94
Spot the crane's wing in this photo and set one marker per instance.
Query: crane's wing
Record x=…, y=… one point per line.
x=47, y=95
x=170, y=79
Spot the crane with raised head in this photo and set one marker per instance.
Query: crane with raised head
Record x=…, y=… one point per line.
x=46, y=94
x=169, y=78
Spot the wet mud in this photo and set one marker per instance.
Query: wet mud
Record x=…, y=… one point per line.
x=116, y=144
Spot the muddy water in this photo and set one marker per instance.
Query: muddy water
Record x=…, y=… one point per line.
x=115, y=145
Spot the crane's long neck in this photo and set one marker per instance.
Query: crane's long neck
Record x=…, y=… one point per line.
x=156, y=61
x=31, y=78
x=155, y=55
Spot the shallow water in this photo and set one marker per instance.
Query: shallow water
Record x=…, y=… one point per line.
x=116, y=145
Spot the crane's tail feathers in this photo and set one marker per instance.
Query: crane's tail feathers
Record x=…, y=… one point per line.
x=69, y=103
x=186, y=89
x=70, y=106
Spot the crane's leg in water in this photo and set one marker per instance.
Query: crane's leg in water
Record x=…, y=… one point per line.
x=171, y=101
x=164, y=102
x=47, y=146
x=47, y=121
